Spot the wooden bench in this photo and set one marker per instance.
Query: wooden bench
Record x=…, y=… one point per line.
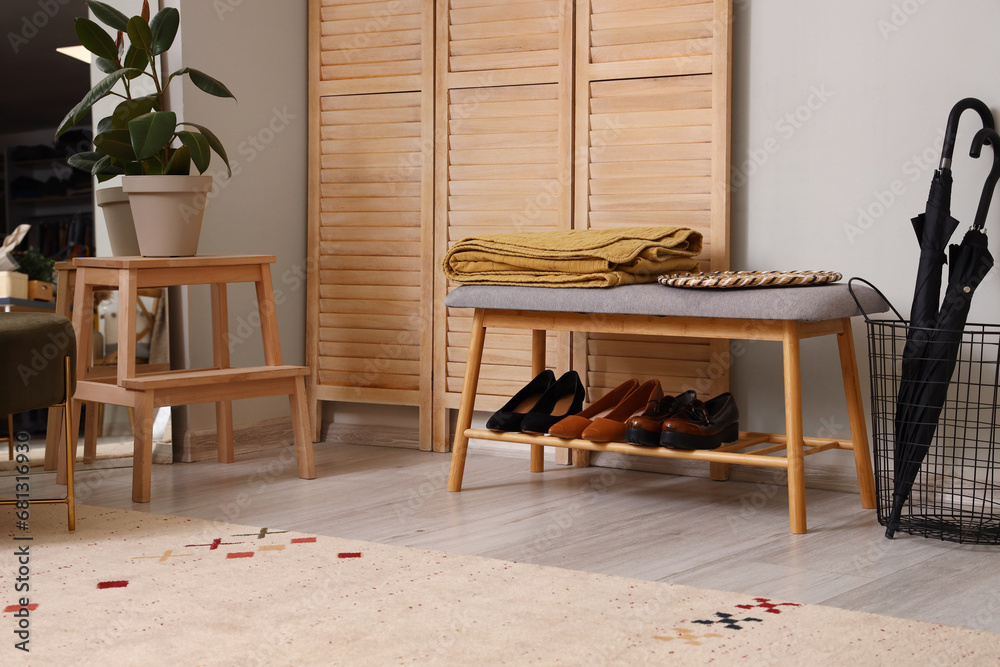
x=787, y=315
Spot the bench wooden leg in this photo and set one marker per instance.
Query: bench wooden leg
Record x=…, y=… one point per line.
x=537, y=366
x=856, y=416
x=469, y=388
x=793, y=428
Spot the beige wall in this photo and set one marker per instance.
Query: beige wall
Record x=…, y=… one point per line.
x=838, y=110
x=257, y=48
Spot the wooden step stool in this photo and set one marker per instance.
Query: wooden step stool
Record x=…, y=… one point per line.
x=787, y=315
x=122, y=384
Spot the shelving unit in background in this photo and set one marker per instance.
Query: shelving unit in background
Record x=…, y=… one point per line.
x=42, y=190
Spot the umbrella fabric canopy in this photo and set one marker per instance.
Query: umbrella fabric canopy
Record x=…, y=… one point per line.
x=933, y=228
x=927, y=391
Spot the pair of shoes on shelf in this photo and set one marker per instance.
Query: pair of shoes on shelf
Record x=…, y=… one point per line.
x=604, y=419
x=540, y=404
x=687, y=423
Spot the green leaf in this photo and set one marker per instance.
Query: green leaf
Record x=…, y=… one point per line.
x=115, y=143
x=130, y=110
x=85, y=161
x=106, y=66
x=96, y=93
x=205, y=82
x=95, y=39
x=152, y=132
x=133, y=169
x=105, y=124
x=139, y=33
x=108, y=15
x=214, y=142
x=137, y=59
x=164, y=26
x=180, y=162
x=201, y=152
x=107, y=167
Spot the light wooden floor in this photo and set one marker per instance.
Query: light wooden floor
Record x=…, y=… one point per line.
x=719, y=535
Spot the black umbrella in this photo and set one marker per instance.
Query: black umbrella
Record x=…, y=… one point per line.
x=933, y=227
x=969, y=262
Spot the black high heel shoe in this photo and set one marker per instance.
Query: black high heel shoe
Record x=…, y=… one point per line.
x=562, y=399
x=508, y=418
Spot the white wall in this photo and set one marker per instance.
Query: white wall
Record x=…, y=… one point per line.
x=835, y=188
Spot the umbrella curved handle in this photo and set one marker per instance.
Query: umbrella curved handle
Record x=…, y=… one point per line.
x=986, y=136
x=951, y=132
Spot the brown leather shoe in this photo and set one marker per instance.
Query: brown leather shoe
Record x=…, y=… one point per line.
x=611, y=428
x=645, y=429
x=573, y=426
x=702, y=425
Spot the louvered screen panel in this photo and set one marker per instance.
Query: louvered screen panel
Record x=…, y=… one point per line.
x=370, y=325
x=651, y=36
x=503, y=175
x=652, y=118
x=371, y=46
x=651, y=154
x=503, y=35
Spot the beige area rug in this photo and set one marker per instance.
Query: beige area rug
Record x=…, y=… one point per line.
x=130, y=588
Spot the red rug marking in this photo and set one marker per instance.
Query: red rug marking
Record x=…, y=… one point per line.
x=240, y=554
x=112, y=584
x=349, y=554
x=303, y=540
x=9, y=609
x=767, y=605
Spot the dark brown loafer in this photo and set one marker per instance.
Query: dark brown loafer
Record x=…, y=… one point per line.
x=702, y=425
x=645, y=429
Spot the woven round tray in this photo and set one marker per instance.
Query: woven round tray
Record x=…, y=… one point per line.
x=729, y=279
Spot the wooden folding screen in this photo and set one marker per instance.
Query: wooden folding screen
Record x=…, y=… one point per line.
x=371, y=191
x=436, y=121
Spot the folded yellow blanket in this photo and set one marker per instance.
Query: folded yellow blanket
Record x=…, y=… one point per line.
x=573, y=258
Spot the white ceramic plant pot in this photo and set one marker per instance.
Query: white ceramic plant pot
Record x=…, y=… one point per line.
x=168, y=211
x=118, y=219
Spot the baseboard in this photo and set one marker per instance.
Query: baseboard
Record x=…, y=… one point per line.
x=363, y=434
x=253, y=437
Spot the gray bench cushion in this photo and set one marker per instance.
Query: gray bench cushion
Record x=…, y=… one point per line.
x=805, y=303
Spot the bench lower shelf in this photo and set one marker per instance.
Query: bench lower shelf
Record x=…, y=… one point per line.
x=728, y=453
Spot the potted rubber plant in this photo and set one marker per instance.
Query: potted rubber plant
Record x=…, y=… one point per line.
x=144, y=142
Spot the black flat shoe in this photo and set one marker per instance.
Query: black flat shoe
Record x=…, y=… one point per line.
x=508, y=418
x=562, y=399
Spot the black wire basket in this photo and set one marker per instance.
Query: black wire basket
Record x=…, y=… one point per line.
x=955, y=496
